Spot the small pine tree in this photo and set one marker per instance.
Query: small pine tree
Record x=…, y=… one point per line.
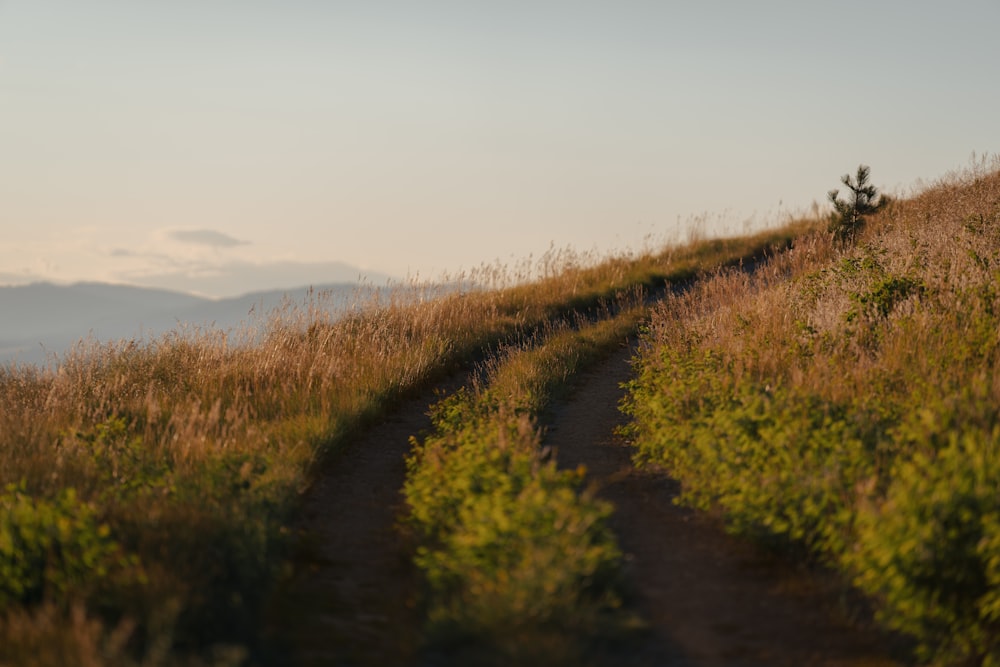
x=849, y=216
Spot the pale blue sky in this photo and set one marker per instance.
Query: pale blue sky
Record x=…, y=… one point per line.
x=154, y=142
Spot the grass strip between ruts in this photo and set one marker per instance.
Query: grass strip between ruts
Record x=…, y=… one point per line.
x=517, y=556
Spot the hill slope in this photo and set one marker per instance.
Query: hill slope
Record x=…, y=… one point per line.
x=840, y=402
x=845, y=400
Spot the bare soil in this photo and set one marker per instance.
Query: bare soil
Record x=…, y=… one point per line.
x=707, y=598
x=352, y=600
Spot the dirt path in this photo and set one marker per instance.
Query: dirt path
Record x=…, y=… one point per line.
x=709, y=599
x=352, y=601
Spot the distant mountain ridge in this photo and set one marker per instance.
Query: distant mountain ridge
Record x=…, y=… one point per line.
x=41, y=319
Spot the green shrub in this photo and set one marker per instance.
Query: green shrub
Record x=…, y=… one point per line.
x=886, y=294
x=124, y=467
x=515, y=544
x=777, y=462
x=791, y=465
x=930, y=552
x=510, y=545
x=53, y=549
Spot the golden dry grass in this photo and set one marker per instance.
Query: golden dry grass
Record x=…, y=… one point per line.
x=187, y=454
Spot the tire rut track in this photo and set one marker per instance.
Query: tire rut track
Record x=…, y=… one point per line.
x=709, y=599
x=353, y=598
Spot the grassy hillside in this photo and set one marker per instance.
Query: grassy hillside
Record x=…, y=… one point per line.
x=145, y=489
x=843, y=400
x=837, y=399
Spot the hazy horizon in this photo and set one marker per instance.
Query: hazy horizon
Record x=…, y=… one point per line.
x=211, y=145
x=236, y=279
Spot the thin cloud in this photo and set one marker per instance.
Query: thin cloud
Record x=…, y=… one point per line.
x=149, y=258
x=226, y=279
x=23, y=278
x=206, y=237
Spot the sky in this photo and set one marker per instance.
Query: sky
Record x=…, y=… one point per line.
x=229, y=145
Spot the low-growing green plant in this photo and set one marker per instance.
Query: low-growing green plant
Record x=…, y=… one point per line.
x=54, y=550
x=777, y=463
x=124, y=467
x=930, y=550
x=509, y=540
x=510, y=544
